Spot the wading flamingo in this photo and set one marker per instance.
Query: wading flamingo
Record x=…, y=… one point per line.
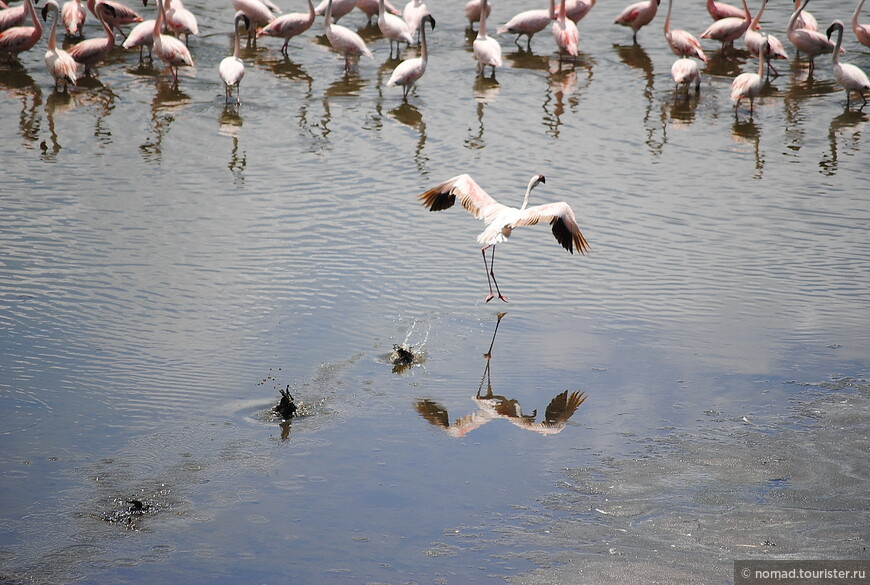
x=394, y=29
x=810, y=42
x=577, y=9
x=566, y=34
x=344, y=40
x=472, y=11
x=413, y=14
x=727, y=30
x=289, y=25
x=681, y=42
x=528, y=23
x=120, y=14
x=180, y=20
x=141, y=36
x=410, y=70
x=748, y=85
x=686, y=72
x=720, y=10
x=89, y=52
x=370, y=8
x=339, y=8
x=58, y=62
x=18, y=39
x=486, y=49
x=12, y=16
x=862, y=31
x=846, y=74
x=637, y=15
x=259, y=14
x=501, y=220
x=73, y=16
x=805, y=20
x=753, y=39
x=232, y=68
x=169, y=49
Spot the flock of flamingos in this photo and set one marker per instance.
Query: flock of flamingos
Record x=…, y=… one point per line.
x=262, y=17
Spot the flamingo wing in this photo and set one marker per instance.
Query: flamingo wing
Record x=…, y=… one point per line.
x=561, y=218
x=471, y=195
x=562, y=407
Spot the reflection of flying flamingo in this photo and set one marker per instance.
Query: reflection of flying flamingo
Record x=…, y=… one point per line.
x=344, y=40
x=577, y=9
x=89, y=52
x=748, y=85
x=685, y=72
x=727, y=30
x=289, y=26
x=528, y=23
x=18, y=39
x=169, y=49
x=232, y=68
x=73, y=17
x=58, y=62
x=566, y=34
x=862, y=31
x=410, y=70
x=486, y=49
x=681, y=42
x=394, y=29
x=846, y=74
x=753, y=39
x=811, y=42
x=720, y=10
x=501, y=220
x=637, y=15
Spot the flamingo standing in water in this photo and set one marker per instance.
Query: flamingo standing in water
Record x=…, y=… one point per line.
x=862, y=31
x=232, y=68
x=805, y=20
x=288, y=26
x=720, y=10
x=370, y=8
x=73, y=16
x=528, y=23
x=753, y=39
x=344, y=40
x=180, y=20
x=846, y=74
x=58, y=62
x=727, y=30
x=681, y=42
x=810, y=42
x=472, y=11
x=12, y=16
x=748, y=85
x=119, y=15
x=410, y=70
x=486, y=49
x=566, y=34
x=413, y=14
x=89, y=52
x=141, y=36
x=339, y=8
x=501, y=220
x=577, y=9
x=18, y=39
x=686, y=72
x=258, y=13
x=394, y=29
x=637, y=15
x=169, y=49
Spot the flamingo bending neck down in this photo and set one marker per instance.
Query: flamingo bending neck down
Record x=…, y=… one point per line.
x=748, y=85
x=409, y=71
x=501, y=220
x=73, y=17
x=232, y=68
x=344, y=40
x=846, y=74
x=119, y=15
x=686, y=72
x=58, y=62
x=486, y=49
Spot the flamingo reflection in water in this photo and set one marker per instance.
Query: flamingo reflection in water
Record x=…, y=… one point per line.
x=493, y=406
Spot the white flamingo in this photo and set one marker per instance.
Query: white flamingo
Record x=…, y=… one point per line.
x=141, y=36
x=810, y=42
x=501, y=220
x=344, y=40
x=846, y=74
x=486, y=49
x=409, y=71
x=753, y=39
x=748, y=85
x=73, y=16
x=862, y=31
x=529, y=23
x=637, y=15
x=180, y=20
x=413, y=14
x=394, y=29
x=169, y=49
x=686, y=72
x=289, y=25
x=681, y=42
x=727, y=30
x=58, y=62
x=232, y=68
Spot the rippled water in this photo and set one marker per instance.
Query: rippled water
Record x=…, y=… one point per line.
x=168, y=263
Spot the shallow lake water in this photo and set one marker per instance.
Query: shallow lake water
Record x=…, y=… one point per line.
x=169, y=263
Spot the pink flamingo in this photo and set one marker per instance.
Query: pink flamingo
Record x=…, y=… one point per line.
x=180, y=20
x=753, y=39
x=486, y=49
x=120, y=15
x=810, y=42
x=748, y=85
x=685, y=72
x=259, y=14
x=169, y=49
x=472, y=11
x=681, y=42
x=339, y=8
x=73, y=16
x=370, y=8
x=18, y=39
x=58, y=62
x=288, y=26
x=637, y=15
x=577, y=9
x=141, y=36
x=720, y=10
x=344, y=40
x=805, y=20
x=501, y=220
x=566, y=34
x=394, y=29
x=232, y=68
x=862, y=31
x=413, y=14
x=846, y=74
x=727, y=30
x=528, y=23
x=89, y=52
x=409, y=71
x=13, y=16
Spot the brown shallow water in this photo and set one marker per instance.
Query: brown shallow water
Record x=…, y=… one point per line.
x=167, y=264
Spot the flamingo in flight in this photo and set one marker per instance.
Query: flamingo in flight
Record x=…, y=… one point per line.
x=486, y=49
x=89, y=52
x=18, y=39
x=810, y=42
x=862, y=31
x=73, y=16
x=681, y=42
x=727, y=30
x=748, y=85
x=528, y=22
x=344, y=40
x=394, y=29
x=289, y=26
x=58, y=62
x=409, y=71
x=501, y=220
x=637, y=15
x=232, y=68
x=753, y=39
x=169, y=49
x=846, y=74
